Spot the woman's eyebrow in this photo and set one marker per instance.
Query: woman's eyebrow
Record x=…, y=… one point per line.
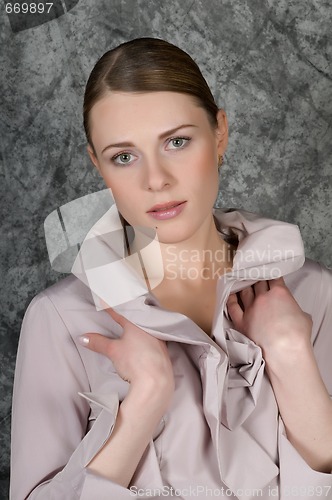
x=161, y=136
x=173, y=130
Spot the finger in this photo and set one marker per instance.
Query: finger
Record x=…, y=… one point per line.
x=234, y=309
x=247, y=296
x=121, y=320
x=277, y=282
x=97, y=342
x=261, y=287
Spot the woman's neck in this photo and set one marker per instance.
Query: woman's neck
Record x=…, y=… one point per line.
x=203, y=257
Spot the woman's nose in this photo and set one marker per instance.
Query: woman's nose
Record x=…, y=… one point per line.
x=156, y=174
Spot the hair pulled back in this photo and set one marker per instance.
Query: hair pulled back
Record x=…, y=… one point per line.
x=147, y=65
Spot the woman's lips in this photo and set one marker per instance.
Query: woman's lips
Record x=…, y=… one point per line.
x=168, y=213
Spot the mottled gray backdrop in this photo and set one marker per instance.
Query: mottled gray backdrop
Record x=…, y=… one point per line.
x=268, y=63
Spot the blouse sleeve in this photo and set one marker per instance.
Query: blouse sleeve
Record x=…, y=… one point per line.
x=297, y=479
x=50, y=443
x=322, y=318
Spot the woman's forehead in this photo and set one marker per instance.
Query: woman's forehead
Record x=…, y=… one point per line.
x=125, y=112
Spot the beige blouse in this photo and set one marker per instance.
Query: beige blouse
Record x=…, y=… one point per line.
x=222, y=435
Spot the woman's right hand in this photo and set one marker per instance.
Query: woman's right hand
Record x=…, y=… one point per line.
x=144, y=362
x=138, y=357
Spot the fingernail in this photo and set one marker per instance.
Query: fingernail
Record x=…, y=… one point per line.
x=83, y=340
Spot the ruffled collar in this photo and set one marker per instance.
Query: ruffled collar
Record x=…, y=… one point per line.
x=266, y=249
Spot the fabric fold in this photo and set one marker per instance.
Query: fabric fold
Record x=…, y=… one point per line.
x=243, y=380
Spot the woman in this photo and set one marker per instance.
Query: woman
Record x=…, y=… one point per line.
x=221, y=366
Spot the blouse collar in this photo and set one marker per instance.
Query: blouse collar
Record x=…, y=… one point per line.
x=266, y=249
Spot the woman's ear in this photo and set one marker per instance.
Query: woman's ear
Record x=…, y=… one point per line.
x=93, y=157
x=222, y=131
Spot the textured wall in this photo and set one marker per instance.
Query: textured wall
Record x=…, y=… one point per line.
x=268, y=63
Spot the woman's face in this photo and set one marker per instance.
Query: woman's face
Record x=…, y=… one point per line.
x=155, y=148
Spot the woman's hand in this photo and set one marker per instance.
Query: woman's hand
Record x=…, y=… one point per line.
x=142, y=360
x=138, y=357
x=269, y=315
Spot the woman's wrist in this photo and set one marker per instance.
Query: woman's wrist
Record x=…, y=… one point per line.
x=287, y=352
x=148, y=397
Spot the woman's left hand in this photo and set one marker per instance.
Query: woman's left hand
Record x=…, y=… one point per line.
x=268, y=314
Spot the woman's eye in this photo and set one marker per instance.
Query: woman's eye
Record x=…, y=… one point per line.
x=178, y=142
x=122, y=158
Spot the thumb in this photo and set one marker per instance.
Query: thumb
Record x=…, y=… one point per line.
x=97, y=343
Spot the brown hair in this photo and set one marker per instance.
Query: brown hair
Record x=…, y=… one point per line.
x=147, y=65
